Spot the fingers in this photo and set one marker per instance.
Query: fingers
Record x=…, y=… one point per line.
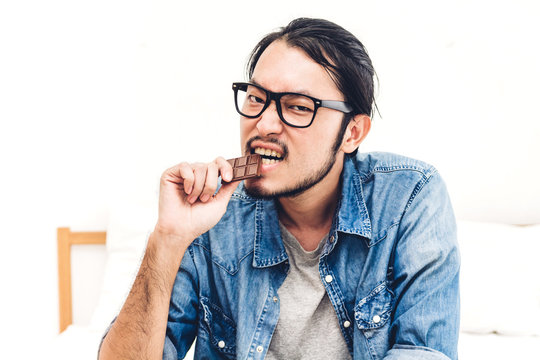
x=186, y=173
x=225, y=169
x=218, y=167
x=210, y=184
x=199, y=173
x=200, y=180
x=181, y=175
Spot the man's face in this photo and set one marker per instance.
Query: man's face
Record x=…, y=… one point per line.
x=304, y=156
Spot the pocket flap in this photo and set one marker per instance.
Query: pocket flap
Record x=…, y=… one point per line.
x=374, y=310
x=222, y=329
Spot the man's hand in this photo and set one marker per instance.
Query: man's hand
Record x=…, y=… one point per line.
x=187, y=208
x=187, y=204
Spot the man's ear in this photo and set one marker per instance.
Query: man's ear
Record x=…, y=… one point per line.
x=357, y=130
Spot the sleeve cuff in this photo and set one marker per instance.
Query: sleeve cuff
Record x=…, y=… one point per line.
x=410, y=352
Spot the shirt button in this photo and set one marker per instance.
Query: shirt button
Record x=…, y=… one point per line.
x=328, y=278
x=346, y=324
x=221, y=344
x=259, y=348
x=376, y=319
x=332, y=239
x=275, y=299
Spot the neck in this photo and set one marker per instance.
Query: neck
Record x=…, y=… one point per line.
x=308, y=216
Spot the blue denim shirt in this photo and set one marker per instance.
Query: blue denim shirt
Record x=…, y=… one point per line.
x=390, y=268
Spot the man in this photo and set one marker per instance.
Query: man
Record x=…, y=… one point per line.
x=329, y=254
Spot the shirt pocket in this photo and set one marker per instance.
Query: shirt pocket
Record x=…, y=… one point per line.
x=221, y=329
x=374, y=311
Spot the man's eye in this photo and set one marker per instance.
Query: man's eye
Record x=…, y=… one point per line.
x=300, y=108
x=255, y=99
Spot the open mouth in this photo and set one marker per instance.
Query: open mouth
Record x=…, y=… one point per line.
x=268, y=156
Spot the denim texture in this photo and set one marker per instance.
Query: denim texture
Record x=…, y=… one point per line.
x=390, y=268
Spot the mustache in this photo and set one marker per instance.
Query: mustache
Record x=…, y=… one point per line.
x=281, y=144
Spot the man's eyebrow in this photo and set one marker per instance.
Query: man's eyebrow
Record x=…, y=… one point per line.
x=254, y=82
x=298, y=91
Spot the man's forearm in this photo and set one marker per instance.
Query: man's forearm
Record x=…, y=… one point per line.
x=139, y=329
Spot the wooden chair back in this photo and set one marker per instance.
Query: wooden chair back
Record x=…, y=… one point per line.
x=66, y=238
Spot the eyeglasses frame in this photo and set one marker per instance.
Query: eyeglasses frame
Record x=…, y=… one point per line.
x=276, y=96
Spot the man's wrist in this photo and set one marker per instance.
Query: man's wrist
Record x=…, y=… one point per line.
x=173, y=241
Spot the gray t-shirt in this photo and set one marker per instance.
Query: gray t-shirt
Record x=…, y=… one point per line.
x=308, y=326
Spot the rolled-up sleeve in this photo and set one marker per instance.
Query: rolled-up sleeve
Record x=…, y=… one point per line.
x=426, y=277
x=183, y=310
x=409, y=352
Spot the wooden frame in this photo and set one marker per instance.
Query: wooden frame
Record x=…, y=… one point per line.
x=66, y=238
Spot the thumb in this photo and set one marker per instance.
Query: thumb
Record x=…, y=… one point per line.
x=226, y=191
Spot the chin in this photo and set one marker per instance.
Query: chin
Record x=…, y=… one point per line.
x=257, y=190
x=260, y=192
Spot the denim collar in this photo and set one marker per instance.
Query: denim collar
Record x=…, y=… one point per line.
x=352, y=218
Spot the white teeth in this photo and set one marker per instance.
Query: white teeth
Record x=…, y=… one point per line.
x=266, y=161
x=267, y=152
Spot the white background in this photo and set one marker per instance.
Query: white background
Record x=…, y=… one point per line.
x=97, y=98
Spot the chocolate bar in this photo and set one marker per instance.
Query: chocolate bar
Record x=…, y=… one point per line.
x=246, y=167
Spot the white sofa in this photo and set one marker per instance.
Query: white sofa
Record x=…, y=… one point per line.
x=500, y=287
x=500, y=291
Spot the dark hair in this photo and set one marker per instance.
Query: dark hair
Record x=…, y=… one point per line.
x=338, y=51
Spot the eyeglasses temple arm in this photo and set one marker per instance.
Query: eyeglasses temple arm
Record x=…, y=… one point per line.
x=337, y=105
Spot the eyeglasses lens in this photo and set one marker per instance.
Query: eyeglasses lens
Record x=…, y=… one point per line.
x=296, y=109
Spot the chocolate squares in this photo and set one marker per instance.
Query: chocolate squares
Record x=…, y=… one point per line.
x=246, y=167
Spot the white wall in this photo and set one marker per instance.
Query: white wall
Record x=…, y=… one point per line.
x=97, y=98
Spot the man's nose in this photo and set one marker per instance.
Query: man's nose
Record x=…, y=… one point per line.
x=269, y=121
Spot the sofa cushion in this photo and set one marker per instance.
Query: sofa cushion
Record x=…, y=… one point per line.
x=500, y=278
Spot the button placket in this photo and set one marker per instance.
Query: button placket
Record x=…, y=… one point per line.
x=268, y=316
x=336, y=299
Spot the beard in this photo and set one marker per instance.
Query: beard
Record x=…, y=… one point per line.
x=300, y=186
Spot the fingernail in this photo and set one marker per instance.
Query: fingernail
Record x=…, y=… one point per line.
x=191, y=199
x=205, y=198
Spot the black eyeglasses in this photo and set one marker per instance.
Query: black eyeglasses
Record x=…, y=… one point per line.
x=296, y=110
